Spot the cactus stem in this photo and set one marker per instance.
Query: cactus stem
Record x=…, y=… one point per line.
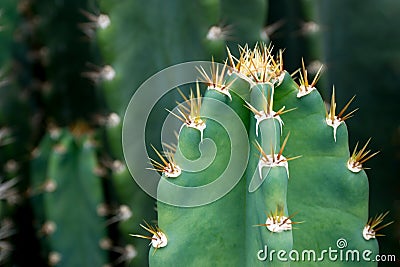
x=304, y=87
x=158, y=240
x=168, y=167
x=356, y=160
x=370, y=230
x=217, y=79
x=335, y=120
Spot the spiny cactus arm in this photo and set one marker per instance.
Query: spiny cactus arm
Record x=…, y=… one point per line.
x=219, y=225
x=72, y=206
x=266, y=181
x=337, y=198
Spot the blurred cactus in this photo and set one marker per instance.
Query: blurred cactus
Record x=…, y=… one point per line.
x=70, y=193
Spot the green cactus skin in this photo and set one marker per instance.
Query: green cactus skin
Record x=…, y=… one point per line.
x=71, y=205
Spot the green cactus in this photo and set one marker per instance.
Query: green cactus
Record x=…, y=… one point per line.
x=70, y=193
x=270, y=198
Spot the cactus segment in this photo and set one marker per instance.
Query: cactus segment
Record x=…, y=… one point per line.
x=226, y=230
x=77, y=229
x=329, y=183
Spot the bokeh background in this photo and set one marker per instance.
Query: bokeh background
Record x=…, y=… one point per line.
x=69, y=68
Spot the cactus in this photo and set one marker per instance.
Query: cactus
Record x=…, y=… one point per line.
x=67, y=198
x=324, y=189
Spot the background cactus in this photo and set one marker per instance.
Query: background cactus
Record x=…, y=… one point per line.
x=81, y=62
x=64, y=164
